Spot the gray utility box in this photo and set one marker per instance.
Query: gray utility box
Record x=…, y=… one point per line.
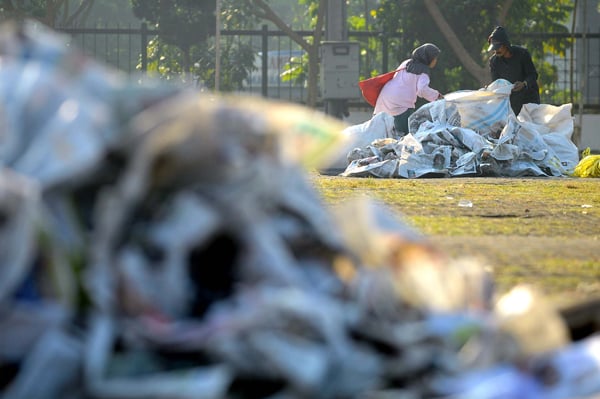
x=339, y=70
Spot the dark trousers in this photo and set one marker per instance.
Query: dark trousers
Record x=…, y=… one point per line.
x=517, y=99
x=401, y=121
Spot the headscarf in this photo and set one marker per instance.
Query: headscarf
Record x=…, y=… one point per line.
x=421, y=57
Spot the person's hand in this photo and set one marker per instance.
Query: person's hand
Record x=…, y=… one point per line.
x=518, y=86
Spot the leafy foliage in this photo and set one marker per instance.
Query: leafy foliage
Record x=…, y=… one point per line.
x=164, y=61
x=53, y=13
x=472, y=21
x=294, y=71
x=17, y=10
x=234, y=60
x=181, y=22
x=186, y=41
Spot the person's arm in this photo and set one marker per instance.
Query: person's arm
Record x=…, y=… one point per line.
x=423, y=89
x=529, y=70
x=493, y=70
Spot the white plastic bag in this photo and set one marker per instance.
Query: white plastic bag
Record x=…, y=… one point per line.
x=486, y=110
x=380, y=126
x=555, y=125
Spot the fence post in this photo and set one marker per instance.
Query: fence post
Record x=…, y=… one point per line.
x=218, y=47
x=265, y=61
x=144, y=47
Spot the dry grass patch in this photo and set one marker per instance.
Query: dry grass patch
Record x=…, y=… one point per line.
x=539, y=231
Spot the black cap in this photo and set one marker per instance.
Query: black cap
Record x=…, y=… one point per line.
x=497, y=38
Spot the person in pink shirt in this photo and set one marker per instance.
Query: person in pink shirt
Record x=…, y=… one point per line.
x=399, y=95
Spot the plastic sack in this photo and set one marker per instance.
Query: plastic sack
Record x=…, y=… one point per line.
x=589, y=166
x=486, y=110
x=380, y=126
x=555, y=126
x=549, y=118
x=370, y=88
x=19, y=204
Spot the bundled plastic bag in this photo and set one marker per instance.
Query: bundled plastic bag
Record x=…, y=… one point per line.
x=486, y=110
x=589, y=166
x=380, y=126
x=555, y=126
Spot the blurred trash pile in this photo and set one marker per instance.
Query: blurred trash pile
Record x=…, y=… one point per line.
x=161, y=243
x=468, y=133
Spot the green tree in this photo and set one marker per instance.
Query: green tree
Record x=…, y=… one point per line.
x=362, y=18
x=315, y=12
x=461, y=29
x=53, y=13
x=181, y=23
x=185, y=46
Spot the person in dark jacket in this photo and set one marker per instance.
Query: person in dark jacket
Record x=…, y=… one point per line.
x=514, y=64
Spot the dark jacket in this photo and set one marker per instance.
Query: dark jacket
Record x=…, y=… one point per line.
x=517, y=68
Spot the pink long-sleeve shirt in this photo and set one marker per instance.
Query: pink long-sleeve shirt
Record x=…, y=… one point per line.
x=400, y=93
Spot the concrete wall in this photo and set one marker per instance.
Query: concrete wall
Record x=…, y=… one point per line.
x=590, y=132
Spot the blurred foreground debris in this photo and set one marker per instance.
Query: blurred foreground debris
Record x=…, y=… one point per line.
x=161, y=243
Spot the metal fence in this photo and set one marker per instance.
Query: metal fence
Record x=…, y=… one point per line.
x=124, y=48
x=576, y=72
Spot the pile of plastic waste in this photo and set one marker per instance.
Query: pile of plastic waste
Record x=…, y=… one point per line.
x=468, y=133
x=162, y=243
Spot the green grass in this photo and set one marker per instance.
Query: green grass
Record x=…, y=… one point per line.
x=539, y=231
x=539, y=207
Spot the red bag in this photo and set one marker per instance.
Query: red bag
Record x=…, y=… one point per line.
x=370, y=88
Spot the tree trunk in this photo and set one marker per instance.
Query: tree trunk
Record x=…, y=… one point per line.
x=481, y=74
x=51, y=12
x=504, y=11
x=80, y=15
